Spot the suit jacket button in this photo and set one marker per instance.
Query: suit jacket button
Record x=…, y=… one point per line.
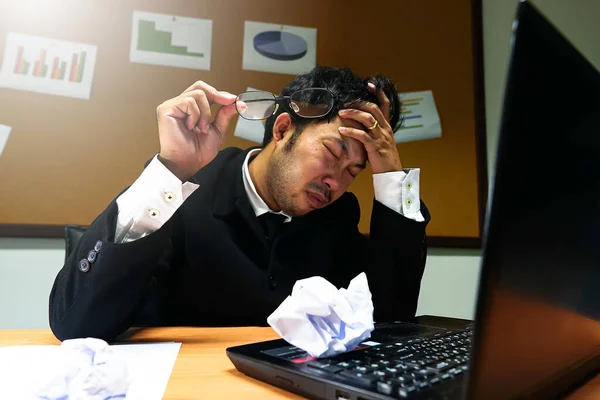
x=91, y=257
x=273, y=282
x=84, y=265
x=98, y=246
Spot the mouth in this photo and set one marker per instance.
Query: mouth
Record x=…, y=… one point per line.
x=317, y=200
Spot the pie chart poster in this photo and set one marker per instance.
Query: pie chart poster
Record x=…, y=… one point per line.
x=283, y=49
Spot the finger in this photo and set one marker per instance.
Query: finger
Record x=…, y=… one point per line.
x=184, y=108
x=241, y=106
x=384, y=101
x=363, y=117
x=223, y=117
x=193, y=111
x=213, y=95
x=224, y=98
x=178, y=108
x=200, y=85
x=375, y=111
x=201, y=99
x=357, y=134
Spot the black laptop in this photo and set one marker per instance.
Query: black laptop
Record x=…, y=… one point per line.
x=537, y=326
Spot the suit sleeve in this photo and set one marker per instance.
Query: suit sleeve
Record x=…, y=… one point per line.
x=102, y=298
x=398, y=251
x=393, y=256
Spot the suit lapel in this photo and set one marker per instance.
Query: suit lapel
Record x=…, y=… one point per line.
x=231, y=199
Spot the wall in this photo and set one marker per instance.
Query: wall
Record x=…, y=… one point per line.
x=28, y=266
x=576, y=19
x=27, y=271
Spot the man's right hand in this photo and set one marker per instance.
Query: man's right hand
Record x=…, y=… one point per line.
x=188, y=138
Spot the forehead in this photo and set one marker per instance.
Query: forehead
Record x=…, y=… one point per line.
x=329, y=131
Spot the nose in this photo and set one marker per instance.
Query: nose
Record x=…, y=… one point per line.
x=332, y=183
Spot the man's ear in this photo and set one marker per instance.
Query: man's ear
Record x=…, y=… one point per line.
x=282, y=124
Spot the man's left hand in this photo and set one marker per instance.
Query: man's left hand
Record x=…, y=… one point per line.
x=378, y=136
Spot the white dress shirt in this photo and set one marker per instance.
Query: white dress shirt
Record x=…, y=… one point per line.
x=258, y=204
x=155, y=196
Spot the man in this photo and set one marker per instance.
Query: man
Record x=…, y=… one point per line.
x=192, y=241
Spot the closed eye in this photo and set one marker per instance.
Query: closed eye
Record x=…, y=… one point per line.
x=332, y=153
x=353, y=175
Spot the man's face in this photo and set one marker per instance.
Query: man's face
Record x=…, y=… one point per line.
x=316, y=169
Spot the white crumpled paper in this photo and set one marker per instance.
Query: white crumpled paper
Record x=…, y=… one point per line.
x=322, y=320
x=81, y=369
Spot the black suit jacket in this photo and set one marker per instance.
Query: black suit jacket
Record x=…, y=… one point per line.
x=211, y=265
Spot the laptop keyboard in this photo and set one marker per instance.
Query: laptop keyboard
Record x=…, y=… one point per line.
x=401, y=368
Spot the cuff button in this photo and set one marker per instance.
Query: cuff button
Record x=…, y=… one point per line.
x=91, y=257
x=169, y=197
x=153, y=213
x=84, y=265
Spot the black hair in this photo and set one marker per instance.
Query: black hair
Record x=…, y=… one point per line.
x=349, y=90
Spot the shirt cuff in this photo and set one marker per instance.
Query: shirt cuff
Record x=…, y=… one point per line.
x=399, y=190
x=150, y=202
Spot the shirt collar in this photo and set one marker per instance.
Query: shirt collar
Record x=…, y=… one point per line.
x=258, y=204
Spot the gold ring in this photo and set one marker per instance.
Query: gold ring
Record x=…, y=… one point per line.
x=374, y=126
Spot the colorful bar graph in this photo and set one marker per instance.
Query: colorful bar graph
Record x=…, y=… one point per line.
x=411, y=103
x=413, y=100
x=63, y=70
x=77, y=68
x=40, y=68
x=420, y=119
x=47, y=65
x=81, y=67
x=59, y=67
x=20, y=63
x=54, y=74
x=407, y=110
x=73, y=73
x=411, y=127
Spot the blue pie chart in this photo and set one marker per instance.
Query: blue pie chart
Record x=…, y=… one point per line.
x=283, y=46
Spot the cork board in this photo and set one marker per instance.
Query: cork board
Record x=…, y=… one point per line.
x=67, y=158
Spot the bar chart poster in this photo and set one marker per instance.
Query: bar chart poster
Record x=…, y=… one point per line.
x=45, y=65
x=284, y=49
x=421, y=118
x=172, y=41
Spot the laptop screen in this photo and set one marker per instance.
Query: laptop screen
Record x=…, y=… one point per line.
x=539, y=303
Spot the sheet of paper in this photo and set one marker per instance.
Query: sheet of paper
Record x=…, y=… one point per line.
x=421, y=118
x=47, y=65
x=149, y=367
x=4, y=133
x=171, y=40
x=276, y=48
x=250, y=130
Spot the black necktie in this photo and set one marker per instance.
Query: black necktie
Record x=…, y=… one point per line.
x=271, y=224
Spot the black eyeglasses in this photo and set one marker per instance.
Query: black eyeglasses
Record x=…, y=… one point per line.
x=306, y=103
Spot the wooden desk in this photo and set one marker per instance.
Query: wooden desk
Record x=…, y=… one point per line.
x=202, y=369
